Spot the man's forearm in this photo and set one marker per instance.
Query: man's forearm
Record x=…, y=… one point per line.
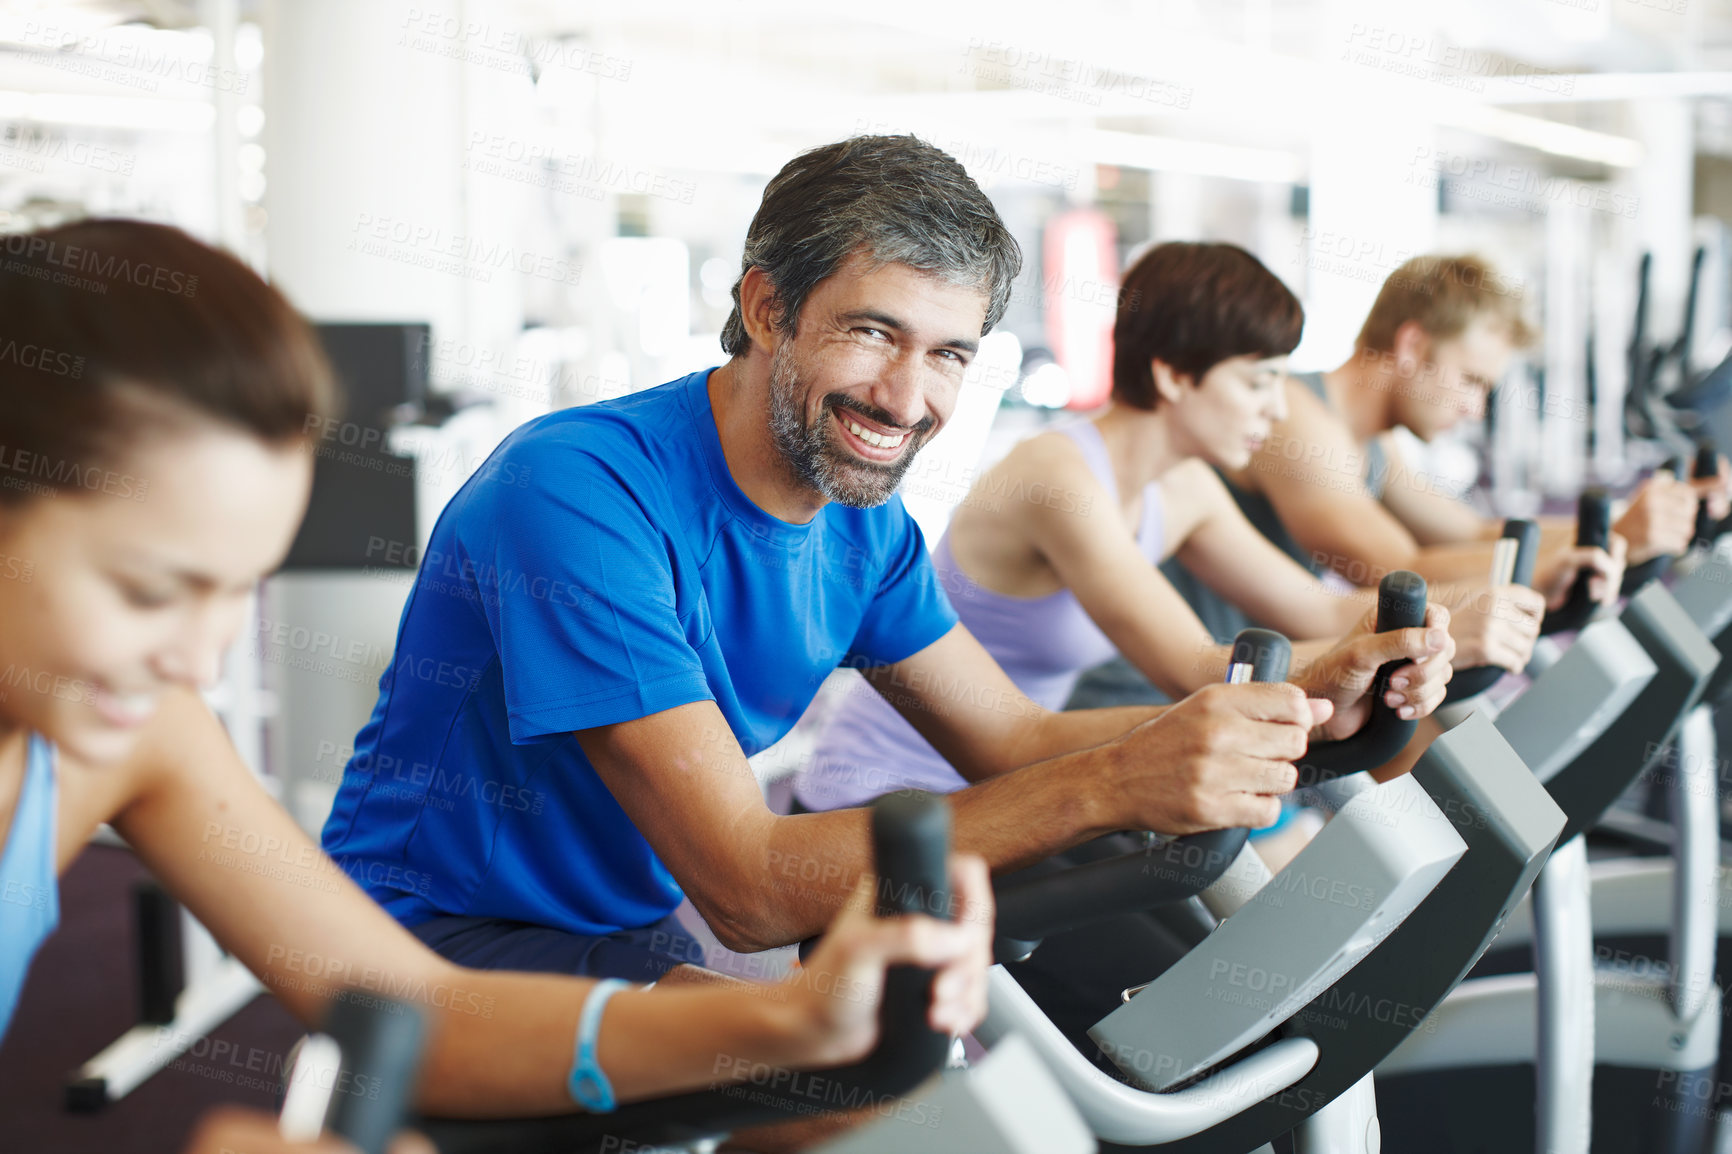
x=1454, y=596
x=1557, y=532
x=794, y=884
x=1468, y=561
x=811, y=863
x=1029, y=814
x=1058, y=732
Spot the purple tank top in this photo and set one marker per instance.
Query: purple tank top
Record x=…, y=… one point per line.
x=1043, y=643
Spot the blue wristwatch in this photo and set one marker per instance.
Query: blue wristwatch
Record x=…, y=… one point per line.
x=588, y=1086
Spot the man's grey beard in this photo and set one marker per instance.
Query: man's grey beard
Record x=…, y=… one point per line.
x=811, y=453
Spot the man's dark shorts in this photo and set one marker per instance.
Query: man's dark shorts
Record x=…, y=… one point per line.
x=637, y=955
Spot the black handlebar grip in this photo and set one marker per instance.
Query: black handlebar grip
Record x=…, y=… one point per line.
x=1594, y=518
x=1471, y=682
x=380, y=1040
x=1593, y=528
x=1400, y=605
x=1263, y=654
x=1400, y=601
x=1258, y=655
x=910, y=843
x=1527, y=535
x=1056, y=896
x=1707, y=465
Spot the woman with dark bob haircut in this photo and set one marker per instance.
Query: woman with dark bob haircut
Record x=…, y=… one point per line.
x=155, y=398
x=1050, y=560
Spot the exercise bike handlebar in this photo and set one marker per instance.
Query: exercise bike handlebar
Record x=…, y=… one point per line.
x=1636, y=576
x=1593, y=528
x=1707, y=464
x=910, y=839
x=1033, y=906
x=1401, y=600
x=378, y=1054
x=1526, y=534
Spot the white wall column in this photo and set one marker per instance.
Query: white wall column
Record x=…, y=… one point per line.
x=1366, y=218
x=364, y=140
x=363, y=134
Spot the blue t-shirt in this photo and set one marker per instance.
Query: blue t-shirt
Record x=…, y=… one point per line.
x=601, y=566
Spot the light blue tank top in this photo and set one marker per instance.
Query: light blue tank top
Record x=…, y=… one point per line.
x=29, y=886
x=1042, y=643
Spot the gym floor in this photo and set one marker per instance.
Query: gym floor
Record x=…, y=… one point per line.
x=80, y=996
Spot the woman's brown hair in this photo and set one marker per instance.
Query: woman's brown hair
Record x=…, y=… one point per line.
x=110, y=329
x=1192, y=306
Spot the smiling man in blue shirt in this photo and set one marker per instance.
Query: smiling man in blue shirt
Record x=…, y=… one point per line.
x=684, y=568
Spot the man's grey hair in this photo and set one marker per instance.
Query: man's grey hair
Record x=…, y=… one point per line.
x=896, y=198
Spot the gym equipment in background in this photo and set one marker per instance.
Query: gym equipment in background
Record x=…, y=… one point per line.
x=362, y=491
x=1523, y=1045
x=1312, y=1081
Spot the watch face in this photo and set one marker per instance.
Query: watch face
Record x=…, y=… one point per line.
x=588, y=1090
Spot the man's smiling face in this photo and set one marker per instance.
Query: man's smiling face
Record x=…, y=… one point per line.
x=871, y=375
